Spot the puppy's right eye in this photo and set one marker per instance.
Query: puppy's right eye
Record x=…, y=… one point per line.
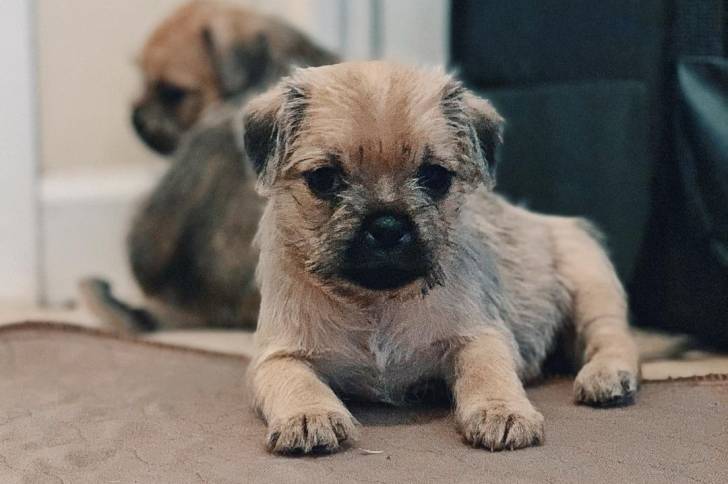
x=170, y=94
x=435, y=179
x=324, y=182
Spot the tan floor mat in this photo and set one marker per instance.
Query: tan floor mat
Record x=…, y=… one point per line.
x=80, y=406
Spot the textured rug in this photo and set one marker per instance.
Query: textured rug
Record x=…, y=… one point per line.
x=79, y=405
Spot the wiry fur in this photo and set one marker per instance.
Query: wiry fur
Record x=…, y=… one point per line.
x=503, y=284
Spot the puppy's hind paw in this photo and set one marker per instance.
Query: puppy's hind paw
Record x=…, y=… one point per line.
x=606, y=383
x=500, y=425
x=310, y=433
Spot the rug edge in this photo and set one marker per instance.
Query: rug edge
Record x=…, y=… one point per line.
x=64, y=327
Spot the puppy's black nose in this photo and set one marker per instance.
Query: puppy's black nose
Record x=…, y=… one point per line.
x=388, y=231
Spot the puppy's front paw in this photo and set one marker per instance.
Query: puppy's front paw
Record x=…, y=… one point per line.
x=310, y=432
x=606, y=383
x=499, y=425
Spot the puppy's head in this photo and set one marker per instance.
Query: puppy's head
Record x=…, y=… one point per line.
x=207, y=52
x=366, y=166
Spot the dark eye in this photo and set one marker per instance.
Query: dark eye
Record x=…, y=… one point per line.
x=170, y=94
x=324, y=182
x=435, y=179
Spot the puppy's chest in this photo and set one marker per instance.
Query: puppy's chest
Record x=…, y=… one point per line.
x=382, y=366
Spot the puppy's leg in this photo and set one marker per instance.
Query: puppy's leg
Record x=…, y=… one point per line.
x=610, y=372
x=100, y=300
x=303, y=413
x=491, y=406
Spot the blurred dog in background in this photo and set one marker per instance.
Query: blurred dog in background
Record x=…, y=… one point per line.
x=206, y=53
x=190, y=243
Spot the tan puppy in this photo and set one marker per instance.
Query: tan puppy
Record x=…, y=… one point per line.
x=387, y=263
x=207, y=52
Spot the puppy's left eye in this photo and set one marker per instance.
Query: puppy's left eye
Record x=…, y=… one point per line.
x=324, y=182
x=435, y=179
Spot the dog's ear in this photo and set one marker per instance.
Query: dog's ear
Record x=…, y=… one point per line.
x=487, y=126
x=477, y=125
x=300, y=49
x=261, y=124
x=271, y=124
x=238, y=65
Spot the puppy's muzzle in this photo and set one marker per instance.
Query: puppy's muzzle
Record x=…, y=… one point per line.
x=386, y=253
x=155, y=129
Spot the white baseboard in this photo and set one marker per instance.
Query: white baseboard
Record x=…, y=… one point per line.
x=85, y=215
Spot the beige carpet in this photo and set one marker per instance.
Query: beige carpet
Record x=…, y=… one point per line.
x=80, y=406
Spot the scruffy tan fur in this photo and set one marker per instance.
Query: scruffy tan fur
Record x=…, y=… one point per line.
x=504, y=285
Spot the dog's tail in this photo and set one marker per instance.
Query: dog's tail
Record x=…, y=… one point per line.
x=97, y=296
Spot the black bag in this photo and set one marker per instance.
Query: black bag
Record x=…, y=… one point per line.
x=682, y=278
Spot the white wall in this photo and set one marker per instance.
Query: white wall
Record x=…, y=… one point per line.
x=416, y=31
x=88, y=78
x=18, y=261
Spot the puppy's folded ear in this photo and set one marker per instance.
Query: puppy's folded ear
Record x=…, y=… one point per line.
x=477, y=125
x=261, y=129
x=238, y=65
x=271, y=123
x=487, y=125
